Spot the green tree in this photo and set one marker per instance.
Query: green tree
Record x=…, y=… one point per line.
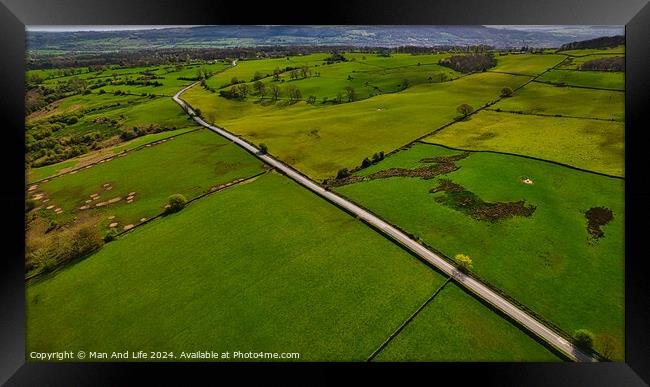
x=275, y=92
x=465, y=109
x=584, y=339
x=260, y=88
x=175, y=203
x=351, y=93
x=342, y=173
x=263, y=149
x=506, y=92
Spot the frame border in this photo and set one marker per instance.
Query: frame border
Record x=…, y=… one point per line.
x=634, y=14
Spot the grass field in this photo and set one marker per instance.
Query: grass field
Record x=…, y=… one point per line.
x=189, y=164
x=574, y=62
x=320, y=140
x=527, y=64
x=369, y=75
x=445, y=330
x=40, y=173
x=595, y=51
x=313, y=280
x=84, y=102
x=539, y=98
x=595, y=79
x=547, y=261
x=589, y=144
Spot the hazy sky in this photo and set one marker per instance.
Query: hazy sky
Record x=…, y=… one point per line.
x=99, y=28
x=547, y=28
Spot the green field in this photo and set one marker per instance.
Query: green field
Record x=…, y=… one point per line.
x=588, y=144
x=547, y=261
x=596, y=79
x=35, y=174
x=313, y=280
x=189, y=164
x=368, y=77
x=451, y=321
x=263, y=264
x=595, y=51
x=539, y=98
x=319, y=140
x=526, y=64
x=574, y=62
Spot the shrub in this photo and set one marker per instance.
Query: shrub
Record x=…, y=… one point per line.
x=30, y=204
x=464, y=262
x=342, y=173
x=506, y=92
x=366, y=163
x=263, y=148
x=465, y=109
x=110, y=235
x=584, y=339
x=175, y=203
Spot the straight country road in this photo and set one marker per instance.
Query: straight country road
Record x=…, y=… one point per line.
x=476, y=287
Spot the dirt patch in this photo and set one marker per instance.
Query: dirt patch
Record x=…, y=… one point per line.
x=458, y=198
x=443, y=165
x=597, y=217
x=527, y=180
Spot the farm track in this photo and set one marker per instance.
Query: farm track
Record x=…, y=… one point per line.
x=473, y=285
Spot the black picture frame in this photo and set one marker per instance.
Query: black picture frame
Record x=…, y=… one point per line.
x=15, y=14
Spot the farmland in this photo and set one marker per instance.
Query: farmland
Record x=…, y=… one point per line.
x=190, y=164
x=448, y=322
x=321, y=139
x=539, y=98
x=296, y=288
x=518, y=164
x=547, y=261
x=591, y=79
x=588, y=144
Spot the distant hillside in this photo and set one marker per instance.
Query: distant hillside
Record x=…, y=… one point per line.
x=602, y=42
x=362, y=36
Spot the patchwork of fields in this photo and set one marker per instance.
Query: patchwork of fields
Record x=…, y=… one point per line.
x=258, y=263
x=548, y=260
x=312, y=280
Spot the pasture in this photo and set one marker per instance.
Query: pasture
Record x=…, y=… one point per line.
x=547, y=261
x=450, y=321
x=526, y=64
x=321, y=139
x=40, y=173
x=539, y=98
x=313, y=280
x=593, y=79
x=189, y=164
x=593, y=145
